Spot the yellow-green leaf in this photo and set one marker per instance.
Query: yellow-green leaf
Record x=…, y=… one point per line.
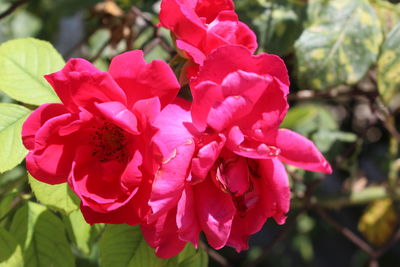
x=123, y=245
x=12, y=151
x=340, y=44
x=378, y=222
x=389, y=66
x=59, y=197
x=42, y=237
x=79, y=230
x=23, y=62
x=10, y=251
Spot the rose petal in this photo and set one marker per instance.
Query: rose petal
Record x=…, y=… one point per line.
x=205, y=158
x=80, y=84
x=300, y=152
x=209, y=9
x=195, y=54
x=36, y=120
x=119, y=115
x=121, y=215
x=227, y=29
x=276, y=188
x=186, y=219
x=182, y=20
x=51, y=160
x=261, y=64
x=170, y=180
x=162, y=235
x=141, y=80
x=215, y=212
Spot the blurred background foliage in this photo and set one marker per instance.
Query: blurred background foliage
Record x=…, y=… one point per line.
x=343, y=58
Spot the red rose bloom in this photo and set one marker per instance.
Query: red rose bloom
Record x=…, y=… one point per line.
x=200, y=26
x=98, y=138
x=224, y=174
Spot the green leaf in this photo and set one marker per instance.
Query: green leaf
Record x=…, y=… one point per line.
x=12, y=150
x=79, y=230
x=389, y=66
x=59, y=197
x=280, y=26
x=123, y=245
x=42, y=237
x=10, y=251
x=307, y=119
x=324, y=139
x=340, y=44
x=23, y=62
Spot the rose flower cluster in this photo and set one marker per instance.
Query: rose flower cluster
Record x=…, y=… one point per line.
x=136, y=153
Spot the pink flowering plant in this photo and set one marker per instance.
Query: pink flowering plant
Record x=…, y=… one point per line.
x=137, y=158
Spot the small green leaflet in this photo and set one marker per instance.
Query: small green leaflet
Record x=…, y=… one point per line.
x=10, y=250
x=23, y=62
x=340, y=44
x=42, y=237
x=12, y=151
x=123, y=245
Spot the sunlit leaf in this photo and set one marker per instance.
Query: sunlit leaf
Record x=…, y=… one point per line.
x=42, y=237
x=79, y=230
x=340, y=44
x=12, y=150
x=191, y=257
x=10, y=250
x=23, y=62
x=59, y=197
x=389, y=66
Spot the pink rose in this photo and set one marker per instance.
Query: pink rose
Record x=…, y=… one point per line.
x=98, y=138
x=224, y=174
x=202, y=26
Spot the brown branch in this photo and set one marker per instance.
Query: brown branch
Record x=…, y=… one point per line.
x=215, y=255
x=101, y=49
x=13, y=7
x=310, y=94
x=161, y=40
x=150, y=46
x=347, y=233
x=386, y=247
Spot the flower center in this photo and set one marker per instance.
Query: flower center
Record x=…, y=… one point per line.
x=109, y=143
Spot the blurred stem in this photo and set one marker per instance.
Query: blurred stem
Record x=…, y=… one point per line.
x=347, y=232
x=215, y=255
x=393, y=152
x=365, y=196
